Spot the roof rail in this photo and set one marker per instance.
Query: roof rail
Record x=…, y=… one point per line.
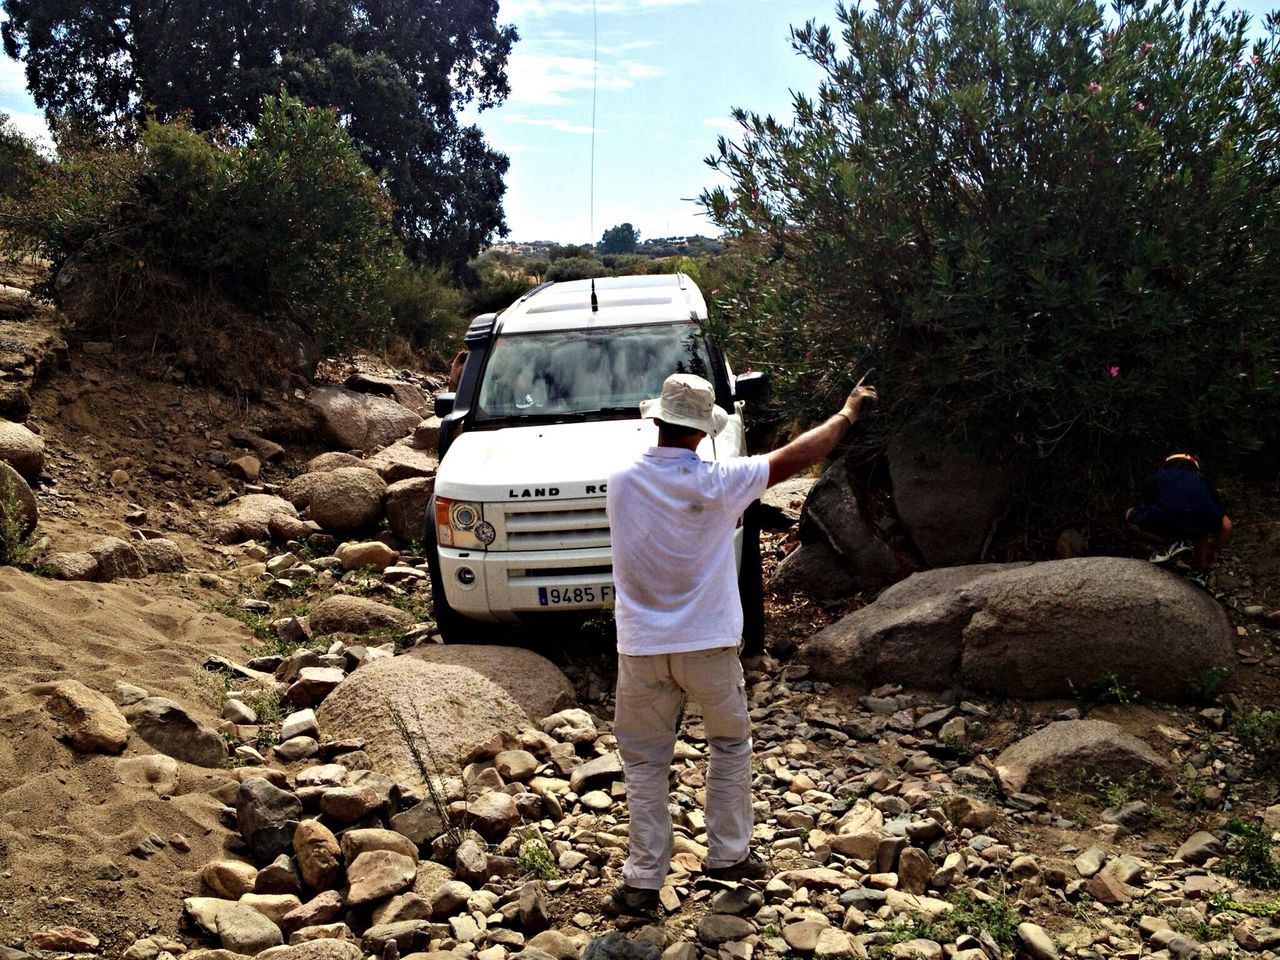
x=532, y=290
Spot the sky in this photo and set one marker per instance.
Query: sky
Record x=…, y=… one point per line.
x=669, y=72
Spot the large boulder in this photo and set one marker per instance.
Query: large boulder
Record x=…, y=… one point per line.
x=342, y=613
x=446, y=708
x=407, y=505
x=171, y=730
x=402, y=460
x=842, y=554
x=91, y=722
x=1073, y=752
x=117, y=560
x=161, y=555
x=21, y=449
x=405, y=393
x=1032, y=630
x=16, y=496
x=325, y=462
x=815, y=570
x=531, y=680
x=248, y=517
x=359, y=421
x=349, y=498
x=947, y=497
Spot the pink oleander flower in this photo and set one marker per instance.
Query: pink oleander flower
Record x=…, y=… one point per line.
x=1095, y=87
x=1115, y=372
x=1141, y=106
x=1147, y=46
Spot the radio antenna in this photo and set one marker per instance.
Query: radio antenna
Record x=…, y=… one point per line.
x=595, y=85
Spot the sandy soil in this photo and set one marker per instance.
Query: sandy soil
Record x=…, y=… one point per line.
x=64, y=817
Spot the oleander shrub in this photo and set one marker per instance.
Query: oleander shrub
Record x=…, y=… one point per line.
x=1053, y=226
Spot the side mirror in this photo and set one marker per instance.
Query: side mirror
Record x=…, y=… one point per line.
x=751, y=386
x=444, y=404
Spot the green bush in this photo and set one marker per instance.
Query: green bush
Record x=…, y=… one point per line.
x=17, y=543
x=1258, y=731
x=1052, y=226
x=290, y=223
x=426, y=308
x=19, y=158
x=1251, y=855
x=576, y=268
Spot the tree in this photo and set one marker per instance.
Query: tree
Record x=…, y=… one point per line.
x=623, y=238
x=398, y=72
x=1052, y=226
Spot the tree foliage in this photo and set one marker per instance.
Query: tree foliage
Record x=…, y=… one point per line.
x=624, y=238
x=290, y=223
x=1051, y=225
x=397, y=71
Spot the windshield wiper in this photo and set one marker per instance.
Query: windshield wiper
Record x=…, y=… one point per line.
x=632, y=409
x=531, y=419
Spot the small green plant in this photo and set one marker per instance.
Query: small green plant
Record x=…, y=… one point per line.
x=535, y=858
x=1195, y=795
x=1206, y=687
x=258, y=623
x=265, y=739
x=1258, y=731
x=1108, y=688
x=17, y=539
x=215, y=687
x=995, y=916
x=1253, y=908
x=1251, y=855
x=772, y=930
x=960, y=748
x=1117, y=793
x=266, y=704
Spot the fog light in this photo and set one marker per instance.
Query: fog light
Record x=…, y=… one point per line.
x=466, y=576
x=485, y=532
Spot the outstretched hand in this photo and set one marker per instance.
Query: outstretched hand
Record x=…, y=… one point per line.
x=862, y=399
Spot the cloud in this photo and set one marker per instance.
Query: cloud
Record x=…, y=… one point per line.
x=548, y=80
x=31, y=125
x=13, y=78
x=562, y=126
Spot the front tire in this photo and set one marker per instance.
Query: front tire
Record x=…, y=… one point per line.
x=751, y=584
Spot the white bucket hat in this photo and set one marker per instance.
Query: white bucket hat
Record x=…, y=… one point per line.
x=687, y=401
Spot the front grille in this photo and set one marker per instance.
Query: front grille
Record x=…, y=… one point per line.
x=556, y=525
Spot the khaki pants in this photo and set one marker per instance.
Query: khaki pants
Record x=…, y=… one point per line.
x=648, y=701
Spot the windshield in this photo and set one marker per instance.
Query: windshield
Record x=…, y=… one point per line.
x=568, y=372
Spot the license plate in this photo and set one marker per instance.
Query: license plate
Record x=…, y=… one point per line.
x=574, y=596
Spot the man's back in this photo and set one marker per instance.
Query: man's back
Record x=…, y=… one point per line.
x=671, y=518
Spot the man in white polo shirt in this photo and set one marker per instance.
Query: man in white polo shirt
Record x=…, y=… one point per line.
x=671, y=518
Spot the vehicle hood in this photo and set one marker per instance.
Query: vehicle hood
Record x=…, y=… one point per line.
x=546, y=462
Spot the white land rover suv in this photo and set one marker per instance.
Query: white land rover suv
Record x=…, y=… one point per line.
x=546, y=408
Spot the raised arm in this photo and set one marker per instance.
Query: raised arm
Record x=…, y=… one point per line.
x=816, y=445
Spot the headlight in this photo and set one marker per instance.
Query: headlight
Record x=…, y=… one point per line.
x=460, y=523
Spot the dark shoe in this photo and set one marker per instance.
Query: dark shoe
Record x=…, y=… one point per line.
x=750, y=867
x=632, y=901
x=1175, y=549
